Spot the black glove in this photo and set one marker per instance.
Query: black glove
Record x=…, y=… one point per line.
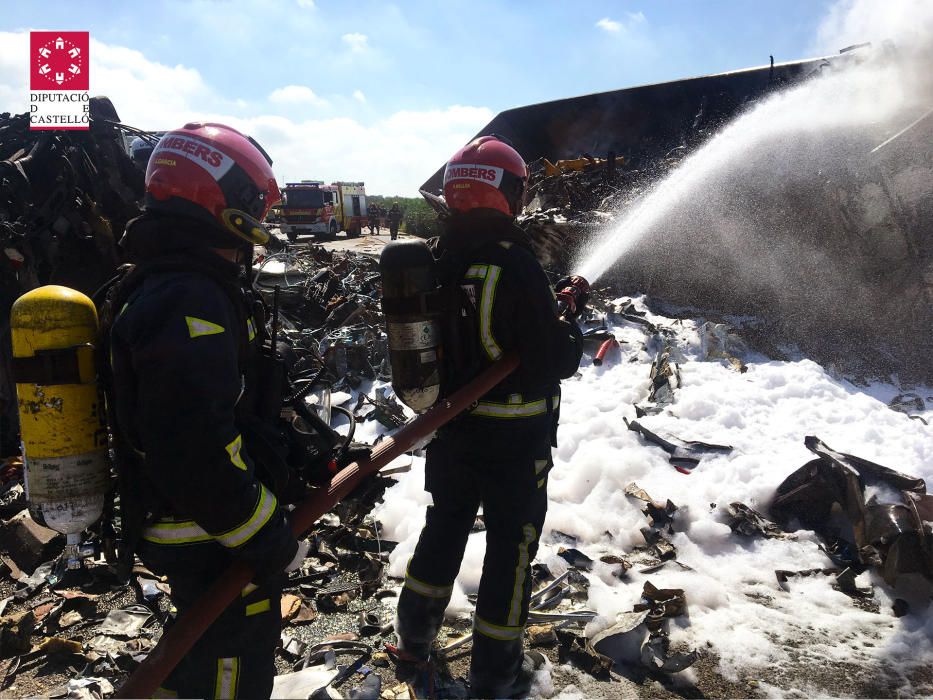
x=571, y=350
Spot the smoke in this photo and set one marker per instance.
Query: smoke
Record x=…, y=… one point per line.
x=909, y=23
x=791, y=207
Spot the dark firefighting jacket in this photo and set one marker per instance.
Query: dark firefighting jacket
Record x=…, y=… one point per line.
x=499, y=299
x=177, y=362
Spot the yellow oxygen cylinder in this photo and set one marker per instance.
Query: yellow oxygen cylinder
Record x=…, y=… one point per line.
x=62, y=421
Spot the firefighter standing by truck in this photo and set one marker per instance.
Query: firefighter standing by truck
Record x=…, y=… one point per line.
x=183, y=343
x=498, y=454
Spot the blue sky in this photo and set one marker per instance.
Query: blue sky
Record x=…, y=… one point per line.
x=403, y=83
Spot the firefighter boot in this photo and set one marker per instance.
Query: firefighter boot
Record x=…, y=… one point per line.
x=499, y=669
x=418, y=622
x=419, y=672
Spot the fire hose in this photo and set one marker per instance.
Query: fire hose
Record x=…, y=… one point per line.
x=178, y=639
x=604, y=350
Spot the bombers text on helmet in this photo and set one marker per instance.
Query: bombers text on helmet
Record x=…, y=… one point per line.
x=214, y=173
x=487, y=173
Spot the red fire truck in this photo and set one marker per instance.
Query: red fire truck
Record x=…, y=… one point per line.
x=312, y=208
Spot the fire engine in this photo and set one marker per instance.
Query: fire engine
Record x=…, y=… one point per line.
x=312, y=208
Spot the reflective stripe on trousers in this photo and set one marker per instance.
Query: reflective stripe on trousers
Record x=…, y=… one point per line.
x=180, y=532
x=500, y=632
x=517, y=409
x=426, y=589
x=521, y=570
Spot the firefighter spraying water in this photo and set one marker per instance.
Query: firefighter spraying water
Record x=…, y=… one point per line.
x=449, y=317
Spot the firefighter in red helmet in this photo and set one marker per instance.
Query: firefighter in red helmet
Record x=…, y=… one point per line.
x=498, y=454
x=183, y=335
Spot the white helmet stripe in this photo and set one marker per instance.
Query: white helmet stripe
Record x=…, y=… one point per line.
x=198, y=152
x=487, y=174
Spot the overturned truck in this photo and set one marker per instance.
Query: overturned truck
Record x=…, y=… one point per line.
x=772, y=192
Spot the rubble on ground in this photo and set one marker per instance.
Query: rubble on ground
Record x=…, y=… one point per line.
x=684, y=455
x=640, y=638
x=87, y=633
x=338, y=609
x=749, y=522
x=894, y=537
x=89, y=626
x=658, y=514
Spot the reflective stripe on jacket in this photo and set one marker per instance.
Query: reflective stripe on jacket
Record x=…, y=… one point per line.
x=506, y=303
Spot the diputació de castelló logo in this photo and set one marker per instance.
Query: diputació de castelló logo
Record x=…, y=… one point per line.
x=59, y=80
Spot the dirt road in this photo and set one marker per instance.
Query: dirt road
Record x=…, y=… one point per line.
x=367, y=244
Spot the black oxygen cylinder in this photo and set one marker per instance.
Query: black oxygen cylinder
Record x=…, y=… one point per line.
x=409, y=302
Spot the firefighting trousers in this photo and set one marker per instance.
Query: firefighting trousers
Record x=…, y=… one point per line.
x=235, y=658
x=503, y=467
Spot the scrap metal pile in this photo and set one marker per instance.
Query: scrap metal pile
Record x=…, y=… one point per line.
x=328, y=305
x=82, y=636
x=571, y=200
x=65, y=197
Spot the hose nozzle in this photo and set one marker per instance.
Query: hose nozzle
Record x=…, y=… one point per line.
x=572, y=294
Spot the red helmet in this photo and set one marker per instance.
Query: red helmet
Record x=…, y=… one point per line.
x=214, y=173
x=487, y=173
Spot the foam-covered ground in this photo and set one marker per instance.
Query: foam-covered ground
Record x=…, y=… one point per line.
x=736, y=608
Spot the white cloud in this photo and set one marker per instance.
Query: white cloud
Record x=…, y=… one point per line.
x=306, y=4
x=632, y=20
x=393, y=155
x=13, y=57
x=296, y=94
x=359, y=96
x=609, y=25
x=356, y=41
x=146, y=85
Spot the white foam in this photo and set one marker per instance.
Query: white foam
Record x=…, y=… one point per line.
x=735, y=603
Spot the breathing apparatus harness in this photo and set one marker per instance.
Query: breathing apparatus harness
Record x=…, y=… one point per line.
x=291, y=445
x=432, y=338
